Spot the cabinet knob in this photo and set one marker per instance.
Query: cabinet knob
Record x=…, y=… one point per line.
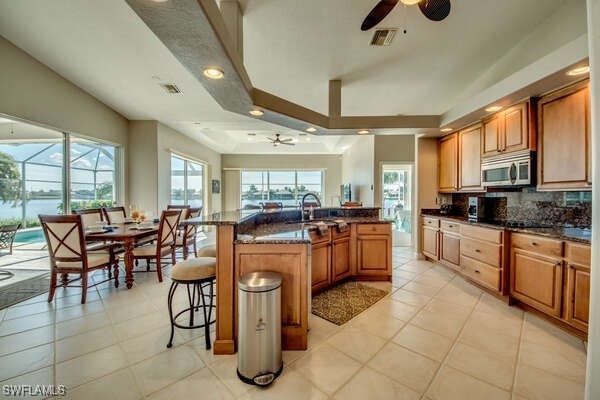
x=477, y=251
x=534, y=244
x=558, y=264
x=569, y=266
x=450, y=226
x=477, y=271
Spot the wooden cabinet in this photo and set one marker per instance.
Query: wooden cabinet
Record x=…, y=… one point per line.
x=536, y=280
x=374, y=250
x=430, y=237
x=340, y=258
x=508, y=131
x=482, y=256
x=469, y=159
x=577, y=288
x=448, y=163
x=450, y=250
x=564, y=139
x=320, y=266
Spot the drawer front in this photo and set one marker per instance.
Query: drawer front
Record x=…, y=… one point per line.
x=315, y=238
x=485, y=274
x=577, y=253
x=537, y=244
x=477, y=232
x=335, y=234
x=374, y=229
x=431, y=222
x=449, y=226
x=481, y=251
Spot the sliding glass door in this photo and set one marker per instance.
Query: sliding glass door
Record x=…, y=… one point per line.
x=397, y=201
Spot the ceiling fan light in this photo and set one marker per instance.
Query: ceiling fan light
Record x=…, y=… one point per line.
x=410, y=2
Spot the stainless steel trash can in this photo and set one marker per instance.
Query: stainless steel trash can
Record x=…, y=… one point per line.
x=259, y=328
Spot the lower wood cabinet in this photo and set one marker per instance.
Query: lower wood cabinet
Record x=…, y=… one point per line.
x=577, y=288
x=537, y=280
x=340, y=259
x=373, y=256
x=430, y=242
x=450, y=250
x=320, y=266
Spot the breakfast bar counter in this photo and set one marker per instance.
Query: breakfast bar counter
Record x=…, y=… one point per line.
x=278, y=241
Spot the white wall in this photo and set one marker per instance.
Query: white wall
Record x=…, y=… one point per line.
x=170, y=140
x=142, y=166
x=358, y=169
x=592, y=383
x=332, y=164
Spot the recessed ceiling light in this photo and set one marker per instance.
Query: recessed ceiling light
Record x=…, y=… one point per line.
x=410, y=2
x=311, y=129
x=363, y=132
x=213, y=72
x=493, y=108
x=256, y=112
x=579, y=71
x=448, y=129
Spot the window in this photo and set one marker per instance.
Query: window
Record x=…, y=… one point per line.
x=284, y=186
x=33, y=167
x=92, y=172
x=187, y=182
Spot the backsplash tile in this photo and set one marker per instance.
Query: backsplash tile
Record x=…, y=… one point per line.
x=548, y=208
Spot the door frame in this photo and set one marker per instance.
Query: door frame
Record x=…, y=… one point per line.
x=413, y=215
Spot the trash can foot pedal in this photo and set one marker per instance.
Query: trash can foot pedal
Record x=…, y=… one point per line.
x=264, y=379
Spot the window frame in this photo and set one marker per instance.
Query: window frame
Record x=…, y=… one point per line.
x=187, y=160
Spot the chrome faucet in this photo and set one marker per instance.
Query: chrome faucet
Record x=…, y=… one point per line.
x=302, y=203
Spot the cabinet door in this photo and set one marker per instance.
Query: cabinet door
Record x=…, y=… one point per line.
x=320, y=266
x=469, y=159
x=536, y=280
x=340, y=260
x=448, y=166
x=430, y=242
x=564, y=140
x=578, y=296
x=450, y=250
x=515, y=128
x=490, y=137
x=374, y=255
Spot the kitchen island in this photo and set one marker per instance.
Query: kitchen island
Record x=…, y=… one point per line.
x=337, y=244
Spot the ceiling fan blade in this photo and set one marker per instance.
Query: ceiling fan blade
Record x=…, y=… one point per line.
x=378, y=13
x=435, y=10
x=272, y=140
x=288, y=144
x=286, y=140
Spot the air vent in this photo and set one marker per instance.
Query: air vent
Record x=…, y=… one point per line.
x=171, y=88
x=383, y=37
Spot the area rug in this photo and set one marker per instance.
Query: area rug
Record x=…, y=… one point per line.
x=343, y=302
x=23, y=289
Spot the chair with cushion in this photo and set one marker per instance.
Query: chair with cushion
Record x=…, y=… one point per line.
x=165, y=242
x=199, y=274
x=186, y=236
x=65, y=238
x=114, y=215
x=90, y=216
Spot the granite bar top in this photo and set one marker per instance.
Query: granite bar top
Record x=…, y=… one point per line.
x=574, y=234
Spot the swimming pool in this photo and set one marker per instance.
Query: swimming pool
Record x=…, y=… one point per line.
x=32, y=235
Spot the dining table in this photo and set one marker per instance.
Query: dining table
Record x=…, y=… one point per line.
x=128, y=235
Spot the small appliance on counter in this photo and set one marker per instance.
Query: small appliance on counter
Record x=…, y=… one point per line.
x=476, y=210
x=446, y=209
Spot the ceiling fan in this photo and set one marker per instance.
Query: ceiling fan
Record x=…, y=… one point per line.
x=435, y=10
x=277, y=141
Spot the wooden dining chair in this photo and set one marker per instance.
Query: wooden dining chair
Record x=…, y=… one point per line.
x=165, y=242
x=89, y=216
x=114, y=215
x=65, y=238
x=186, y=236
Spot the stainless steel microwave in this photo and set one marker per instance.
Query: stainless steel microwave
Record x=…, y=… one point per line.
x=514, y=170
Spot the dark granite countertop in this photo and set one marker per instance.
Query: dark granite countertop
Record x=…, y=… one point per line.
x=575, y=234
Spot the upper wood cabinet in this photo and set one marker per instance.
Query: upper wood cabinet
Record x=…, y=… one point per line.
x=564, y=139
x=510, y=130
x=448, y=165
x=469, y=159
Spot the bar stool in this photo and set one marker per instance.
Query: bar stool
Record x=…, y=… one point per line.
x=209, y=250
x=200, y=273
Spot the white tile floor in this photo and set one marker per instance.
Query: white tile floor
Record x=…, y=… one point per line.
x=434, y=337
